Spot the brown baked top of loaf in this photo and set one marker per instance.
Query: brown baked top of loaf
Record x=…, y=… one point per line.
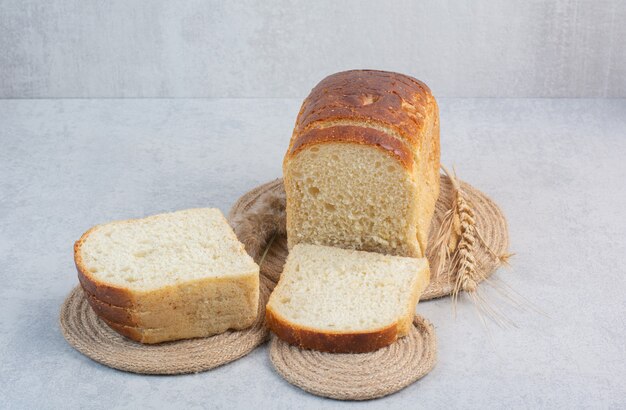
x=400, y=104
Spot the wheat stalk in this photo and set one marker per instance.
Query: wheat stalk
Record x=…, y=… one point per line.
x=441, y=246
x=463, y=262
x=267, y=248
x=502, y=258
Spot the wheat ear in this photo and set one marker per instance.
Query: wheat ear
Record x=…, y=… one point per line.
x=467, y=277
x=464, y=263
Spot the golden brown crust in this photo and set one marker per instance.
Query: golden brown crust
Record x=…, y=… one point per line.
x=165, y=334
x=356, y=135
x=153, y=336
x=393, y=100
x=167, y=316
x=119, y=315
x=327, y=341
x=133, y=333
x=434, y=150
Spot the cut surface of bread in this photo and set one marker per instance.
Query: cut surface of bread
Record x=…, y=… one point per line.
x=183, y=271
x=339, y=300
x=351, y=196
x=362, y=168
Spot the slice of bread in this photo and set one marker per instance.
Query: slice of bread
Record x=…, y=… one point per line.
x=170, y=276
x=345, y=301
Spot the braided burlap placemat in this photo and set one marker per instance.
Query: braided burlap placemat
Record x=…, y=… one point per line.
x=360, y=376
x=254, y=213
x=93, y=338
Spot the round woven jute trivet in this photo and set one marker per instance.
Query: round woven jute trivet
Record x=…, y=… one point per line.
x=360, y=376
x=93, y=338
x=490, y=222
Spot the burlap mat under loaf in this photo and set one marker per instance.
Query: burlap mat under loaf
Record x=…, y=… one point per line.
x=490, y=223
x=360, y=376
x=93, y=338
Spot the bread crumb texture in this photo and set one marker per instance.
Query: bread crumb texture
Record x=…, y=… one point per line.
x=346, y=291
x=351, y=196
x=166, y=249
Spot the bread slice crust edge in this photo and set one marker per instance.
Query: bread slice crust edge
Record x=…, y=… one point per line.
x=331, y=342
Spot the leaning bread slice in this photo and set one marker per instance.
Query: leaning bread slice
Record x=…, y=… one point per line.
x=183, y=271
x=345, y=301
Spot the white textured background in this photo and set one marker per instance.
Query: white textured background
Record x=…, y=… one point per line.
x=199, y=48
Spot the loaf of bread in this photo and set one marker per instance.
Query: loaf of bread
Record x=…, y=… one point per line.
x=171, y=276
x=345, y=301
x=362, y=168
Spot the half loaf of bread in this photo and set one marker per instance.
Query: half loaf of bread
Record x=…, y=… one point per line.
x=171, y=276
x=345, y=301
x=362, y=168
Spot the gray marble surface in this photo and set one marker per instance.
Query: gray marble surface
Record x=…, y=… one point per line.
x=556, y=167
